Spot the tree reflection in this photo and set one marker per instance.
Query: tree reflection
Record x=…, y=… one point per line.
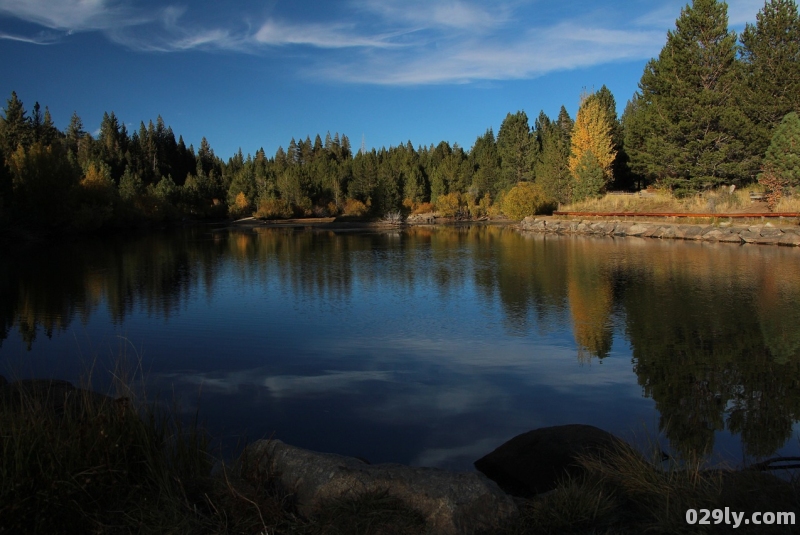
x=713, y=329
x=591, y=300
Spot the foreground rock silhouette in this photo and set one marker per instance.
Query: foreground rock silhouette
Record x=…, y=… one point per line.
x=534, y=462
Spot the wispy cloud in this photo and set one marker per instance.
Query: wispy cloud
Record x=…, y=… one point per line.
x=40, y=38
x=167, y=32
x=384, y=42
x=536, y=52
x=444, y=13
x=73, y=15
x=336, y=35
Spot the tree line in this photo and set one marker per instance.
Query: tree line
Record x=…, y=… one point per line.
x=712, y=109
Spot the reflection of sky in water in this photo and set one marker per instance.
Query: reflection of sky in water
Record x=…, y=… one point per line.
x=407, y=361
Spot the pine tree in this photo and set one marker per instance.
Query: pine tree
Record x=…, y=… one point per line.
x=514, y=148
x=771, y=65
x=565, y=122
x=49, y=133
x=634, y=129
x=783, y=155
x=690, y=118
x=552, y=164
x=589, y=176
x=74, y=133
x=15, y=129
x=486, y=165
x=621, y=177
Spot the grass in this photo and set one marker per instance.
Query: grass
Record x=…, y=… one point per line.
x=718, y=201
x=788, y=204
x=73, y=461
x=622, y=492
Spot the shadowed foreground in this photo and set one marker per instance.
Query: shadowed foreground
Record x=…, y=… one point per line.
x=78, y=461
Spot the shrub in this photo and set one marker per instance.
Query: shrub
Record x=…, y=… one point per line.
x=333, y=209
x=355, y=208
x=525, y=199
x=481, y=208
x=240, y=207
x=94, y=198
x=130, y=185
x=448, y=205
x=393, y=217
x=773, y=183
x=272, y=208
x=303, y=207
x=423, y=208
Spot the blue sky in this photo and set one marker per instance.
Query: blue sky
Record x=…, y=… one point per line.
x=254, y=74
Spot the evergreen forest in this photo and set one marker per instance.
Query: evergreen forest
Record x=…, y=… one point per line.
x=714, y=108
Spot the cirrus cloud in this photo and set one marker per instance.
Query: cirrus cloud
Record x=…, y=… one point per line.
x=381, y=42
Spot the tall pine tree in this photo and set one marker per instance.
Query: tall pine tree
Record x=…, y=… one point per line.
x=771, y=68
x=691, y=124
x=514, y=147
x=783, y=154
x=552, y=162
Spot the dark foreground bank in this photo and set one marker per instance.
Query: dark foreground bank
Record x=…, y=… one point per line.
x=75, y=461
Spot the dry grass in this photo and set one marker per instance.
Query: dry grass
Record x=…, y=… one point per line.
x=74, y=461
x=622, y=492
x=788, y=204
x=84, y=463
x=717, y=201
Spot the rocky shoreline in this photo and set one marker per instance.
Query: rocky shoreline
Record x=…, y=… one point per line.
x=764, y=234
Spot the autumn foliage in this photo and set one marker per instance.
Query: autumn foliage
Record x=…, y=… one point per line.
x=591, y=141
x=525, y=199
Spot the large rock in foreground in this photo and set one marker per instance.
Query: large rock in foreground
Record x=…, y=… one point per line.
x=452, y=503
x=534, y=462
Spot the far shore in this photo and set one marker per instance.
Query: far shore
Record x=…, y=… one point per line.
x=737, y=228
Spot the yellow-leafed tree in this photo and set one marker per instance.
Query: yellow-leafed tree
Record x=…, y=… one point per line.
x=591, y=134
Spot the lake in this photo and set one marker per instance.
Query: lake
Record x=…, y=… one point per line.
x=427, y=346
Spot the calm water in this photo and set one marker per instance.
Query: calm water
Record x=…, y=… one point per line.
x=426, y=346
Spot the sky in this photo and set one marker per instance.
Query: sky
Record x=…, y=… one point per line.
x=253, y=74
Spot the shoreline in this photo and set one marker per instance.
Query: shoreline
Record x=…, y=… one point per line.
x=725, y=232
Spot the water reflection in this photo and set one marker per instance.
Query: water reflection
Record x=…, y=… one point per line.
x=435, y=328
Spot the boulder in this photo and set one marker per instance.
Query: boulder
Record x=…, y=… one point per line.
x=776, y=240
x=750, y=236
x=790, y=238
x=599, y=227
x=622, y=228
x=722, y=235
x=667, y=231
x=733, y=237
x=693, y=232
x=651, y=232
x=534, y=462
x=770, y=232
x=451, y=502
x=638, y=229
